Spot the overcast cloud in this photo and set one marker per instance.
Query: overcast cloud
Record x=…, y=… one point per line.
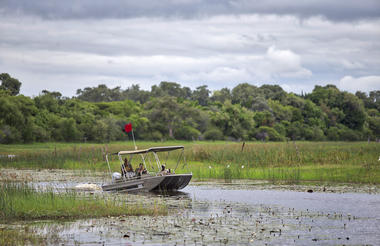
x=66, y=45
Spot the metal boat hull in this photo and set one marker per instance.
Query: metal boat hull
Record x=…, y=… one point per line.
x=150, y=183
x=174, y=182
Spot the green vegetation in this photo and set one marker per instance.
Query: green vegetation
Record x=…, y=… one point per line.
x=17, y=237
x=294, y=175
x=277, y=161
x=289, y=162
x=169, y=111
x=20, y=202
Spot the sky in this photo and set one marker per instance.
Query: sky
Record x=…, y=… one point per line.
x=68, y=45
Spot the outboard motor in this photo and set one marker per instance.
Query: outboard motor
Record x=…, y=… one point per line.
x=116, y=176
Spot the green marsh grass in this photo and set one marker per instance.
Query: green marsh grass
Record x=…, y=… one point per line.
x=17, y=237
x=356, y=162
x=19, y=202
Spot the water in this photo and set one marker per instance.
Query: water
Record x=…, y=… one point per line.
x=225, y=215
x=356, y=204
x=221, y=214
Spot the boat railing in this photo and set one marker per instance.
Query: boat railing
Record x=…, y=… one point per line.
x=144, y=156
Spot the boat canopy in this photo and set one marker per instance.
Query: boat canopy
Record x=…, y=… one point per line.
x=153, y=149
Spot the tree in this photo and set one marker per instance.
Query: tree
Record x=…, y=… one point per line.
x=354, y=111
x=374, y=125
x=264, y=118
x=213, y=134
x=17, y=118
x=171, y=111
x=280, y=112
x=165, y=115
x=268, y=133
x=259, y=103
x=68, y=130
x=135, y=94
x=187, y=133
x=49, y=100
x=374, y=97
x=101, y=93
x=201, y=94
x=233, y=120
x=244, y=94
x=10, y=84
x=329, y=95
x=221, y=95
x=274, y=92
x=172, y=89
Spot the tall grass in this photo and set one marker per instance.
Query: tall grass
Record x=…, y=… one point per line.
x=286, y=154
x=290, y=161
x=326, y=173
x=18, y=201
x=16, y=237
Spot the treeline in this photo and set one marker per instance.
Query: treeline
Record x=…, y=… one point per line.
x=170, y=111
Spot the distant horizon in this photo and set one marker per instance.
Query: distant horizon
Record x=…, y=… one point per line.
x=192, y=88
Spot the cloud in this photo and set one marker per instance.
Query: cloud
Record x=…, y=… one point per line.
x=366, y=83
x=218, y=50
x=285, y=64
x=190, y=9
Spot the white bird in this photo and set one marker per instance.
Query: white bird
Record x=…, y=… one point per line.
x=209, y=167
x=242, y=166
x=228, y=166
x=11, y=156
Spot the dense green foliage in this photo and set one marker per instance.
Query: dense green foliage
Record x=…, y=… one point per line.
x=9, y=84
x=170, y=111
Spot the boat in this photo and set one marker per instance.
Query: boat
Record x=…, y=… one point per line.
x=156, y=179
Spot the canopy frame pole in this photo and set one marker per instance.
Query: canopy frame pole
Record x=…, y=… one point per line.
x=167, y=158
x=185, y=164
x=134, y=142
x=150, y=162
x=122, y=166
x=109, y=168
x=179, y=159
x=143, y=159
x=157, y=160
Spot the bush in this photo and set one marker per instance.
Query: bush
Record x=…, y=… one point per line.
x=313, y=133
x=41, y=135
x=332, y=133
x=280, y=128
x=187, y=133
x=156, y=136
x=213, y=134
x=9, y=135
x=268, y=133
x=348, y=134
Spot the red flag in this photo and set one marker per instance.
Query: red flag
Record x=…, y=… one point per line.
x=128, y=127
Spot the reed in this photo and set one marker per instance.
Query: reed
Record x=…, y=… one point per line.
x=19, y=202
x=17, y=237
x=285, y=161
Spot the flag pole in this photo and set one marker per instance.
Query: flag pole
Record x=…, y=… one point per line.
x=133, y=136
x=128, y=128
